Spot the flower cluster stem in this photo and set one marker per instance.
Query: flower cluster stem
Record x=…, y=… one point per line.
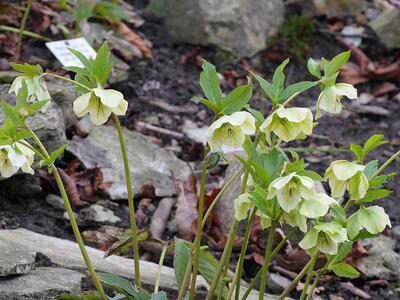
x=131, y=205
x=68, y=80
x=72, y=219
x=268, y=251
x=298, y=277
x=308, y=279
x=22, y=28
x=273, y=254
x=384, y=166
x=197, y=243
x=159, y=269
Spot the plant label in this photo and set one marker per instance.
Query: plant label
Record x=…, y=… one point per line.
x=66, y=57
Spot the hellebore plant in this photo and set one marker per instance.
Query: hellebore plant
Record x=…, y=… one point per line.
x=275, y=186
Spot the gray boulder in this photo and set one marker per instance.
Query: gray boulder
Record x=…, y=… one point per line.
x=382, y=262
x=15, y=259
x=387, y=28
x=98, y=213
x=42, y=283
x=49, y=125
x=238, y=26
x=149, y=164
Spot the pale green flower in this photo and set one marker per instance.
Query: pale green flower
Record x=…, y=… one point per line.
x=230, y=130
x=373, y=219
x=100, y=103
x=315, y=205
x=329, y=99
x=242, y=205
x=36, y=86
x=288, y=123
x=14, y=157
x=294, y=219
x=344, y=175
x=265, y=220
x=290, y=189
x=325, y=238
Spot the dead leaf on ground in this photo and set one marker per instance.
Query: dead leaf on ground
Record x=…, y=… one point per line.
x=105, y=235
x=186, y=211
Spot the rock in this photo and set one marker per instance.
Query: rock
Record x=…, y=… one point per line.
x=98, y=213
x=338, y=8
x=276, y=283
x=396, y=232
x=387, y=28
x=55, y=201
x=49, y=125
x=42, y=283
x=194, y=132
x=63, y=94
x=383, y=262
x=149, y=164
x=15, y=259
x=216, y=22
x=66, y=253
x=368, y=109
x=21, y=186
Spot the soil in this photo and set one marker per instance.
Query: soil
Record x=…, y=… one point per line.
x=168, y=80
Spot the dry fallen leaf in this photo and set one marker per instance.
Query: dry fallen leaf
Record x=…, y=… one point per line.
x=186, y=211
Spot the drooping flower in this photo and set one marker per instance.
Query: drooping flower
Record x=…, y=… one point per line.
x=265, y=220
x=230, y=130
x=288, y=123
x=36, y=86
x=15, y=156
x=330, y=97
x=315, y=205
x=100, y=103
x=294, y=218
x=242, y=205
x=373, y=219
x=324, y=237
x=290, y=189
x=344, y=175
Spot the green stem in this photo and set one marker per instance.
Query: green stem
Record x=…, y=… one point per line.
x=220, y=194
x=38, y=153
x=196, y=245
x=314, y=285
x=316, y=149
x=273, y=254
x=298, y=277
x=388, y=162
x=264, y=273
x=25, y=32
x=226, y=253
x=72, y=219
x=22, y=28
x=308, y=279
x=160, y=265
x=288, y=100
x=186, y=278
x=130, y=201
x=68, y=80
x=239, y=266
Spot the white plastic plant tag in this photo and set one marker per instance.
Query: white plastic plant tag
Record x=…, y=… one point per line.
x=65, y=57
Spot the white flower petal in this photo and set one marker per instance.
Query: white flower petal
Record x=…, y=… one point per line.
x=344, y=89
x=110, y=98
x=81, y=104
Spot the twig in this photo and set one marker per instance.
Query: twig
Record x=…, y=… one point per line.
x=71, y=188
x=22, y=28
x=160, y=217
x=177, y=135
x=25, y=32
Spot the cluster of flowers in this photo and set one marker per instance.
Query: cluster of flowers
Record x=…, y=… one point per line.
x=296, y=195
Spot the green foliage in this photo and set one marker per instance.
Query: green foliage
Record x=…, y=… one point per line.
x=345, y=270
x=372, y=143
x=297, y=34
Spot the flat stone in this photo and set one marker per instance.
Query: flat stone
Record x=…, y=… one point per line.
x=149, y=164
x=387, y=27
x=15, y=258
x=99, y=213
x=55, y=201
x=216, y=22
x=382, y=262
x=66, y=254
x=41, y=283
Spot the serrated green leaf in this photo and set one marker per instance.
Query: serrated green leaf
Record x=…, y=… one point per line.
x=370, y=168
x=314, y=68
x=57, y=153
x=337, y=62
x=82, y=58
x=298, y=87
x=27, y=69
x=209, y=83
x=237, y=99
x=36, y=106
x=22, y=134
x=358, y=151
x=372, y=195
x=101, y=64
x=343, y=251
x=279, y=78
x=373, y=142
x=256, y=114
x=345, y=270
x=123, y=286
